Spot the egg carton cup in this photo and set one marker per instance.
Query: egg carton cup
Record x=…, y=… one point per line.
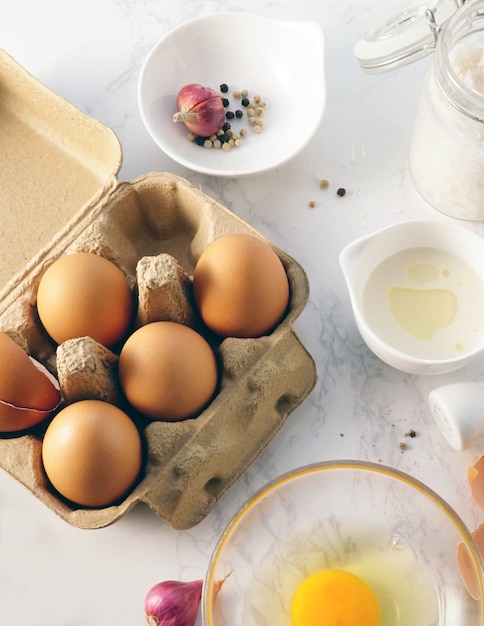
x=154, y=228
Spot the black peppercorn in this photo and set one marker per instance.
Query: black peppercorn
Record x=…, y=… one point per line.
x=224, y=88
x=245, y=102
x=230, y=115
x=238, y=114
x=225, y=102
x=341, y=192
x=226, y=127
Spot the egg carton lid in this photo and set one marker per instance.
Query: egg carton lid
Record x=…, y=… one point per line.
x=56, y=162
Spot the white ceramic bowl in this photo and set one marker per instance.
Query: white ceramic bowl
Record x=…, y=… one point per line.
x=283, y=61
x=389, y=529
x=417, y=293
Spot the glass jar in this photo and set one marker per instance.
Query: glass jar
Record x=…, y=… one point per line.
x=446, y=157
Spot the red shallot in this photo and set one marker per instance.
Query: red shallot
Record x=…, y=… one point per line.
x=201, y=109
x=175, y=603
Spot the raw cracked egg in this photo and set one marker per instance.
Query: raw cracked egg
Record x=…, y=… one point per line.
x=28, y=392
x=335, y=597
x=84, y=294
x=92, y=453
x=240, y=286
x=167, y=371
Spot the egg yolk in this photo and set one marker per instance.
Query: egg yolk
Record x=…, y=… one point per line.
x=334, y=598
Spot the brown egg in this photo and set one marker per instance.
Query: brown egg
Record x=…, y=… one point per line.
x=84, y=294
x=28, y=393
x=167, y=371
x=240, y=286
x=92, y=453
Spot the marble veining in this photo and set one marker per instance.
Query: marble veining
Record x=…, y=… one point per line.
x=91, y=54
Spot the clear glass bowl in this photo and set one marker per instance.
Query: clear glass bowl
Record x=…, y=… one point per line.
x=391, y=530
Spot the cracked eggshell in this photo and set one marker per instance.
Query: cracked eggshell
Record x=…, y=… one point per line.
x=28, y=392
x=475, y=476
x=467, y=567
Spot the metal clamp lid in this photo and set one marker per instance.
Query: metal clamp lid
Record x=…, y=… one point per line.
x=404, y=35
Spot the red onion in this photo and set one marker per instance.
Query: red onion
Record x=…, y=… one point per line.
x=174, y=603
x=200, y=108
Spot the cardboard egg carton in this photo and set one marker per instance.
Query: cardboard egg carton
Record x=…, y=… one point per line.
x=60, y=194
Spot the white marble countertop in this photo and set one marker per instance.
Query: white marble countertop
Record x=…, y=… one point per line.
x=90, y=52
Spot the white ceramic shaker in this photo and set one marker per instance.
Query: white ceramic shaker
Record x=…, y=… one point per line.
x=458, y=411
x=446, y=156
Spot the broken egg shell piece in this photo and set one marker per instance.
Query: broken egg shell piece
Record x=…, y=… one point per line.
x=475, y=477
x=55, y=383
x=467, y=567
x=17, y=418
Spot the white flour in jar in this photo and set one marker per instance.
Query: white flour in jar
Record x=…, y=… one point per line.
x=467, y=61
x=447, y=152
